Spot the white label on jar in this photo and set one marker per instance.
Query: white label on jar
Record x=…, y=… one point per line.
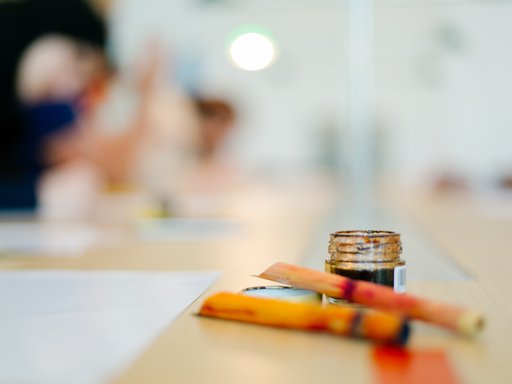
x=399, y=279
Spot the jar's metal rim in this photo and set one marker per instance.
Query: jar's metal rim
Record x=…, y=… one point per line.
x=365, y=233
x=366, y=238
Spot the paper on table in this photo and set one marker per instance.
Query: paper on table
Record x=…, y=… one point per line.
x=187, y=229
x=62, y=239
x=86, y=326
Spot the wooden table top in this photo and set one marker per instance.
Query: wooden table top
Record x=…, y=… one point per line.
x=279, y=226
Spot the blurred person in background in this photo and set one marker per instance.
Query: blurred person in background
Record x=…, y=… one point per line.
x=216, y=171
x=216, y=120
x=53, y=72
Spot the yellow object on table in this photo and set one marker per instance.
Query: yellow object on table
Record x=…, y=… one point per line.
x=377, y=326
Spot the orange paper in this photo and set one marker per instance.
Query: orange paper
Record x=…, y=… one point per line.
x=395, y=365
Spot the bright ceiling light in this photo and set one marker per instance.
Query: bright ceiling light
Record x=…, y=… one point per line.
x=252, y=51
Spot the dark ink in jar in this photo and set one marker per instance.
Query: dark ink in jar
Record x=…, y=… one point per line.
x=372, y=256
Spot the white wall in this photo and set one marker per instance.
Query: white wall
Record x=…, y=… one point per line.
x=444, y=84
x=445, y=87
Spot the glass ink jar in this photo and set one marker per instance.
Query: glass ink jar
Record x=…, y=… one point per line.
x=373, y=256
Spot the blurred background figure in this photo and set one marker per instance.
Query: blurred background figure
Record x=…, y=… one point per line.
x=55, y=75
x=51, y=53
x=216, y=120
x=217, y=171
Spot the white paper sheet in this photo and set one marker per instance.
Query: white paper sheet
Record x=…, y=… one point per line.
x=57, y=239
x=86, y=326
x=187, y=229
